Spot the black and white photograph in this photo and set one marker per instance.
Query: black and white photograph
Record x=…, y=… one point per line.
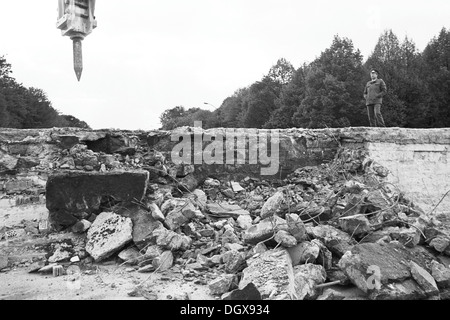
x=224, y=156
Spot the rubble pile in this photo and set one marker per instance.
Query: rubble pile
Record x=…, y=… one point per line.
x=320, y=230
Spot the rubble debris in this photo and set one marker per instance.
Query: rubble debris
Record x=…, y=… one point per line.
x=249, y=292
x=296, y=227
x=143, y=226
x=244, y=221
x=276, y=204
x=337, y=241
x=164, y=261
x=221, y=284
x=129, y=254
x=424, y=279
x=69, y=195
x=81, y=226
x=264, y=230
x=272, y=274
x=305, y=252
x=441, y=274
x=225, y=210
x=307, y=277
x=355, y=225
x=3, y=262
x=285, y=239
x=108, y=234
x=382, y=271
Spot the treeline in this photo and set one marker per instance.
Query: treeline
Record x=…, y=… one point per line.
x=26, y=108
x=328, y=92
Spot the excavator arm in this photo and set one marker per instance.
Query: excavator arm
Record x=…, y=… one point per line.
x=76, y=20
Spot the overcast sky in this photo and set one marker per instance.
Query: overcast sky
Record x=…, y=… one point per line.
x=147, y=56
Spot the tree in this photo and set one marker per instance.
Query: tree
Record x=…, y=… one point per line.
x=282, y=72
x=333, y=88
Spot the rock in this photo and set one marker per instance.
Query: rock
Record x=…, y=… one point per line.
x=129, y=254
x=259, y=248
x=305, y=252
x=234, y=246
x=441, y=275
x=307, y=277
x=382, y=271
x=212, y=183
x=264, y=230
x=228, y=193
x=63, y=252
x=249, y=292
x=221, y=284
x=236, y=186
x=180, y=215
x=244, y=222
x=48, y=268
x=81, y=226
x=377, y=200
x=296, y=227
x=224, y=210
x=440, y=243
x=331, y=294
x=184, y=169
x=143, y=226
x=355, y=225
x=337, y=241
x=72, y=193
x=153, y=252
x=234, y=261
x=190, y=183
x=276, y=204
x=156, y=212
x=229, y=237
x=409, y=237
x=325, y=257
x=164, y=261
x=199, y=197
x=108, y=234
x=171, y=240
x=424, y=279
x=272, y=274
x=75, y=259
x=285, y=239
x=3, y=262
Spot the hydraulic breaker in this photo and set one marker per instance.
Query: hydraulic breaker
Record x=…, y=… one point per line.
x=76, y=20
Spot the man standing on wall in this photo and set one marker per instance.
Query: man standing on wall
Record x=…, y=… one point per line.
x=373, y=93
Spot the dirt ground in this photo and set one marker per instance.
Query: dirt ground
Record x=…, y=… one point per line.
x=105, y=282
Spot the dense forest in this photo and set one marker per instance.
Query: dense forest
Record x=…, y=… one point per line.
x=26, y=108
x=328, y=92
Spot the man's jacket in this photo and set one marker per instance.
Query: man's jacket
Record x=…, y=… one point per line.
x=374, y=91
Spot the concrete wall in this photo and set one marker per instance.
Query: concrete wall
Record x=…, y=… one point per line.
x=417, y=158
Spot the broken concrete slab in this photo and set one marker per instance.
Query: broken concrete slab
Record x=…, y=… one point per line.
x=296, y=227
x=441, y=274
x=307, y=277
x=355, y=225
x=181, y=215
x=424, y=279
x=143, y=226
x=73, y=193
x=249, y=292
x=3, y=262
x=234, y=261
x=108, y=234
x=264, y=230
x=285, y=239
x=171, y=240
x=382, y=270
x=221, y=284
x=304, y=252
x=337, y=241
x=224, y=210
x=244, y=222
x=81, y=226
x=272, y=274
x=164, y=261
x=156, y=212
x=275, y=205
x=130, y=254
